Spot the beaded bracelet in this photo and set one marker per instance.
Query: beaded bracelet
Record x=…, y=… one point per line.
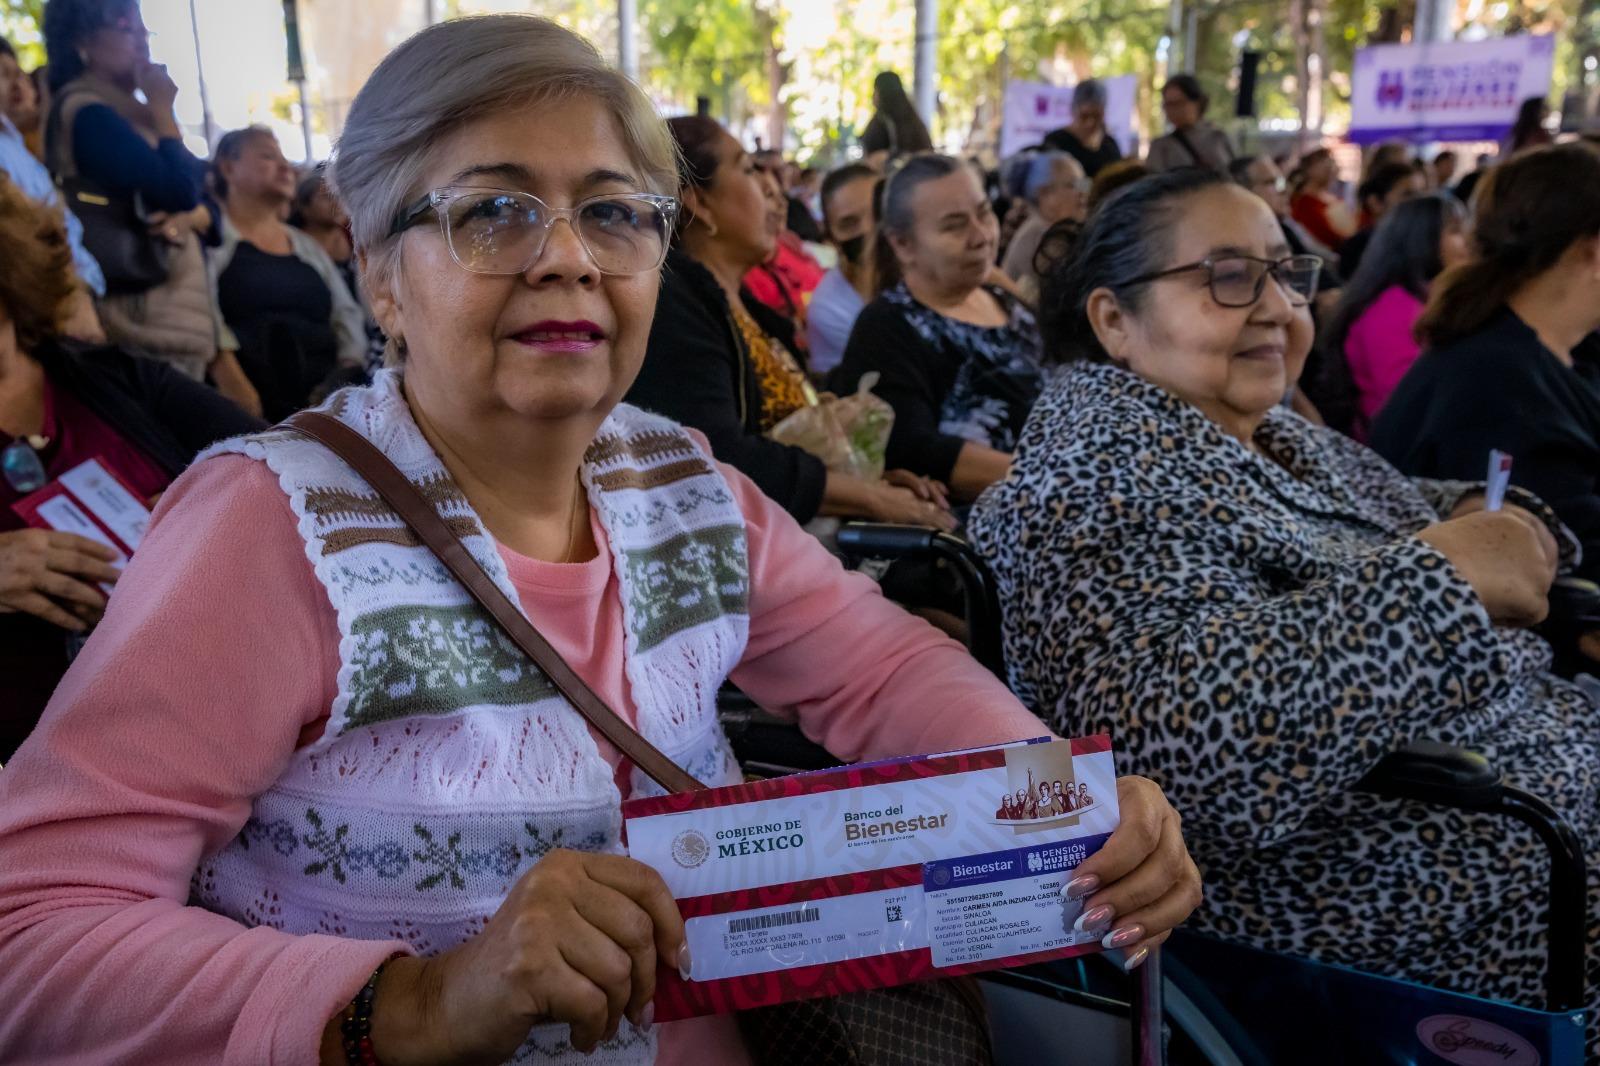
x=357, y=1024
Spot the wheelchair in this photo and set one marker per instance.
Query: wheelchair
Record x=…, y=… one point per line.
x=1205, y=1001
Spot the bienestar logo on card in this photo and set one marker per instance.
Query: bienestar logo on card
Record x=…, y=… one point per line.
x=891, y=823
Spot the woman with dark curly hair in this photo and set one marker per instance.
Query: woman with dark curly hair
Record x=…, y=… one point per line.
x=109, y=147
x=60, y=405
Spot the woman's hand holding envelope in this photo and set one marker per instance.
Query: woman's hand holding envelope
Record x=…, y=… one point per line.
x=576, y=941
x=1142, y=882
x=52, y=575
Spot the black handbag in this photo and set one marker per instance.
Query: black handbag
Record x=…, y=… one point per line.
x=934, y=1023
x=116, y=227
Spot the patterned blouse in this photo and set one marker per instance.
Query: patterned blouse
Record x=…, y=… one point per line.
x=1258, y=631
x=948, y=381
x=784, y=388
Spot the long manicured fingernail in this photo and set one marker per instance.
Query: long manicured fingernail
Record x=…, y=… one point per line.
x=1121, y=938
x=1081, y=886
x=1095, y=920
x=647, y=1020
x=1132, y=960
x=685, y=963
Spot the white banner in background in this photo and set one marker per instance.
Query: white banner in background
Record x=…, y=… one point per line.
x=1447, y=90
x=1033, y=109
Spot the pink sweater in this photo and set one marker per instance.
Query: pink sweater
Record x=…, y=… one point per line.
x=1380, y=349
x=217, y=659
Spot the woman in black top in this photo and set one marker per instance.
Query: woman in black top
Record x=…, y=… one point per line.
x=1086, y=139
x=958, y=359
x=720, y=362
x=297, y=328
x=896, y=129
x=1513, y=362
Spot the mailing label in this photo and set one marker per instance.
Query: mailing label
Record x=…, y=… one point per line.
x=1003, y=905
x=832, y=929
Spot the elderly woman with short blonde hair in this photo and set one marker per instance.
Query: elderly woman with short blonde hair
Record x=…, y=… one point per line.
x=298, y=775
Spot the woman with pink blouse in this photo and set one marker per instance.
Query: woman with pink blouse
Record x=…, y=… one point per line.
x=297, y=777
x=1371, y=340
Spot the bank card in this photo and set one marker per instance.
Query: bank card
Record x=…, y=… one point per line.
x=878, y=874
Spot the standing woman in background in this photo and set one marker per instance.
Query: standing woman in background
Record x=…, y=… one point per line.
x=1085, y=138
x=1193, y=142
x=896, y=129
x=99, y=133
x=297, y=329
x=1528, y=131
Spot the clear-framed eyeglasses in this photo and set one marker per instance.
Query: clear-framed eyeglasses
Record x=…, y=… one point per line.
x=1239, y=280
x=495, y=231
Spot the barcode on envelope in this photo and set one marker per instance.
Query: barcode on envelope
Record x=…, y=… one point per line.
x=774, y=921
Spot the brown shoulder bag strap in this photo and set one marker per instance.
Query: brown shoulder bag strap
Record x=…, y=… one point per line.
x=417, y=513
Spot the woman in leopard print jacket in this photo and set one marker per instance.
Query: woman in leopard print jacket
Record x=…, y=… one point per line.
x=1260, y=609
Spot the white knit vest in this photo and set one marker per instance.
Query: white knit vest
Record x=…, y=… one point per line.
x=450, y=765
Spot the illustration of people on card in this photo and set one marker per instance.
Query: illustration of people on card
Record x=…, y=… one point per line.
x=1084, y=799
x=1046, y=793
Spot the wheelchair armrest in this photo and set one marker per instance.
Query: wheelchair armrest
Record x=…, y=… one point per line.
x=1575, y=601
x=1447, y=776
x=874, y=540
x=883, y=541
x=1431, y=772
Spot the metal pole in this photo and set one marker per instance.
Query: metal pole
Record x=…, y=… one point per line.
x=1191, y=41
x=1432, y=22
x=627, y=43
x=926, y=61
x=297, y=70
x=206, y=120
x=430, y=14
x=1174, y=41
x=305, y=120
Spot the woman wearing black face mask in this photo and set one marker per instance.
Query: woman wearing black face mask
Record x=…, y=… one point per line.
x=848, y=194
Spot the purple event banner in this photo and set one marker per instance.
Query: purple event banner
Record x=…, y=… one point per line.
x=1448, y=90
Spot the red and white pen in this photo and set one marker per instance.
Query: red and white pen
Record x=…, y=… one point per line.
x=1494, y=493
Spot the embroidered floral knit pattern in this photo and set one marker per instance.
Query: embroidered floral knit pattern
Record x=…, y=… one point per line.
x=450, y=764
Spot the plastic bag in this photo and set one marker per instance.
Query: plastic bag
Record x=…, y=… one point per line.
x=849, y=434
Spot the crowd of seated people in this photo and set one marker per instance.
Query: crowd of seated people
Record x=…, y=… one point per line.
x=1197, y=550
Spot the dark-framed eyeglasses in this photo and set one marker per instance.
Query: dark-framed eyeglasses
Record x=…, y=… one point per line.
x=1239, y=280
x=495, y=231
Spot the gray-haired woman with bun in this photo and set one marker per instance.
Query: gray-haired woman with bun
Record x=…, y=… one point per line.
x=297, y=777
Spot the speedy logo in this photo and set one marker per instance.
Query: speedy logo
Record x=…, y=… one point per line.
x=1474, y=1042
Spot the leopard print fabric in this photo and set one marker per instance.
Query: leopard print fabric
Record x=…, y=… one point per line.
x=1257, y=632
